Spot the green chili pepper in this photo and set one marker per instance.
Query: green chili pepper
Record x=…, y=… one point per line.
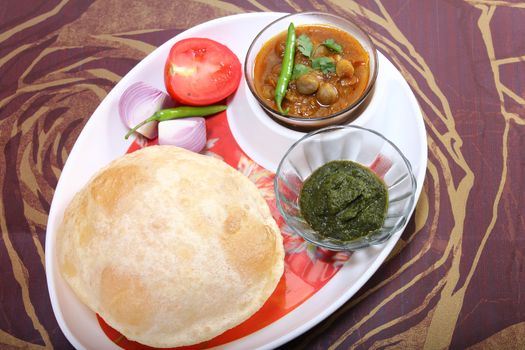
x=177, y=113
x=286, y=68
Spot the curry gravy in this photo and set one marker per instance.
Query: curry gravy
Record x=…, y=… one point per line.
x=307, y=105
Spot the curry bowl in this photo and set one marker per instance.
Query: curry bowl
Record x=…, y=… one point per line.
x=334, y=70
x=365, y=147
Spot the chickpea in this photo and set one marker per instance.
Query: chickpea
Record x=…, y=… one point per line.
x=344, y=68
x=321, y=51
x=271, y=80
x=349, y=82
x=268, y=92
x=307, y=84
x=326, y=94
x=291, y=96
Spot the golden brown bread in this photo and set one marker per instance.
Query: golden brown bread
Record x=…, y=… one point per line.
x=170, y=247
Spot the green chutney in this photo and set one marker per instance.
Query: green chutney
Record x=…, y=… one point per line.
x=344, y=200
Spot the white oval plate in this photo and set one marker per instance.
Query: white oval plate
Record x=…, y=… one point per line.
x=393, y=111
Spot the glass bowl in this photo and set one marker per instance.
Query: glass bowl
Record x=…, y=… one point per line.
x=281, y=25
x=366, y=147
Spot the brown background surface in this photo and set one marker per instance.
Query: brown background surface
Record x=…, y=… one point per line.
x=456, y=278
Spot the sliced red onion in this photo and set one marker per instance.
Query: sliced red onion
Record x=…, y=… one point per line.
x=188, y=133
x=139, y=102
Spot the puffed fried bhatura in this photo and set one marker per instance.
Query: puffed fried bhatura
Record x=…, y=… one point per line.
x=170, y=247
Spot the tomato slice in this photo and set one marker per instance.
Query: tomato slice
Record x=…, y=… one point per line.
x=201, y=71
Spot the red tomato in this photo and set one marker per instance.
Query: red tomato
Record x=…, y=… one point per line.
x=201, y=71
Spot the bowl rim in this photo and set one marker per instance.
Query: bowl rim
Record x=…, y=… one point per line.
x=349, y=108
x=359, y=242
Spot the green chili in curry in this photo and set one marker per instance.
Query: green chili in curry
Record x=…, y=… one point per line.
x=286, y=68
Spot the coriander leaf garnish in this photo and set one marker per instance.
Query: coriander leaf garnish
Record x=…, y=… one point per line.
x=300, y=69
x=332, y=45
x=304, y=44
x=325, y=64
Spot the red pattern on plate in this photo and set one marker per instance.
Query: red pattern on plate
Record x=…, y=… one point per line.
x=307, y=268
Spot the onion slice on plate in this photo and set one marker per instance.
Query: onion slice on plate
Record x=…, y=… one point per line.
x=188, y=133
x=138, y=103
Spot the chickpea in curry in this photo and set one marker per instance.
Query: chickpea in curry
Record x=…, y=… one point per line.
x=331, y=71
